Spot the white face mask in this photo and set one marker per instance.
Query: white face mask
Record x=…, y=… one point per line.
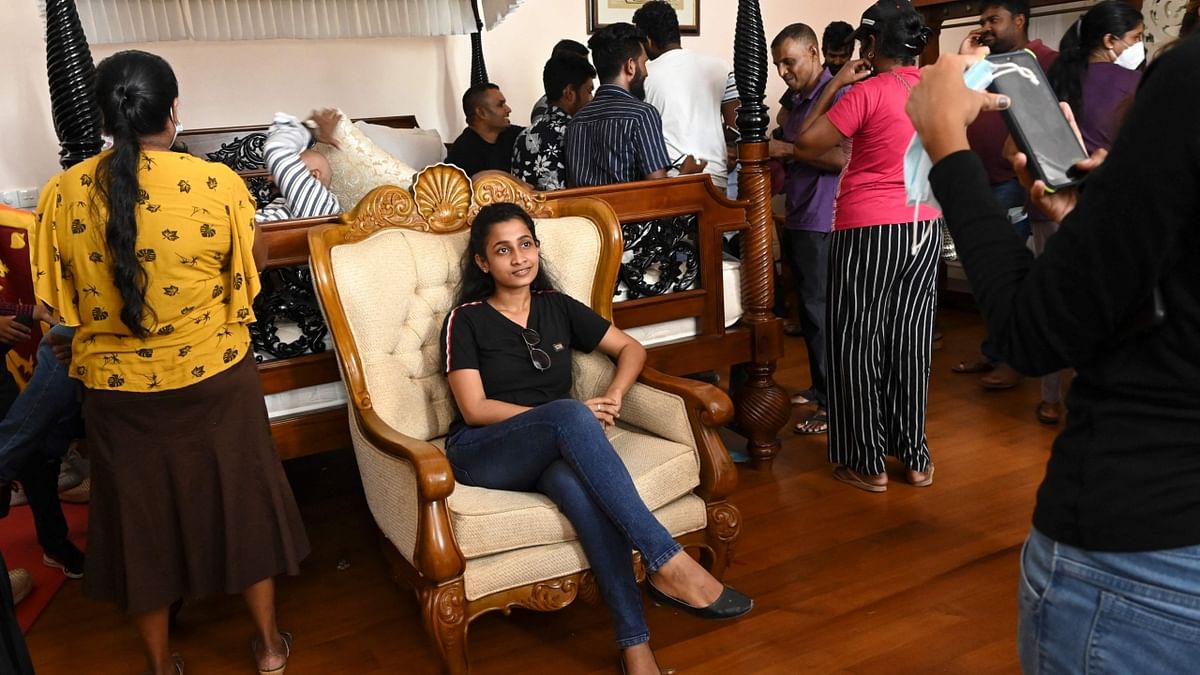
x=1132, y=57
x=178, y=130
x=917, y=163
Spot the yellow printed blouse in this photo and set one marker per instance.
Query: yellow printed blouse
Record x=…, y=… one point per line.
x=195, y=224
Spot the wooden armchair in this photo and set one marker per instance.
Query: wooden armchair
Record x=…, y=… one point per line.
x=386, y=278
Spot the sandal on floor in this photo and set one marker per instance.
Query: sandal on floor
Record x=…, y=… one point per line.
x=980, y=365
x=1001, y=377
x=924, y=482
x=286, y=637
x=1049, y=413
x=817, y=424
x=850, y=477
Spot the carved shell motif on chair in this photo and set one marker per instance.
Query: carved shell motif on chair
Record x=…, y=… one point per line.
x=440, y=201
x=495, y=187
x=443, y=196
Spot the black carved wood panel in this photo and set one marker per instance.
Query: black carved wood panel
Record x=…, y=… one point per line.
x=245, y=153
x=287, y=295
x=661, y=256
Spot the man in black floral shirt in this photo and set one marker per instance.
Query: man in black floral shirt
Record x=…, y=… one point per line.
x=538, y=157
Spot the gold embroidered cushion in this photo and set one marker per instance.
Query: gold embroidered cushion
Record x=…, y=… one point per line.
x=358, y=165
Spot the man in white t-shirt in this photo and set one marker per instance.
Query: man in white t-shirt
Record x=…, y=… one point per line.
x=686, y=88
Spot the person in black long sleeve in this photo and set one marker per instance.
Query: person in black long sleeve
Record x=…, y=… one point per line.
x=1110, y=573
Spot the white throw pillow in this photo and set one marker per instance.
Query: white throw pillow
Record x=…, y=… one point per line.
x=418, y=148
x=359, y=165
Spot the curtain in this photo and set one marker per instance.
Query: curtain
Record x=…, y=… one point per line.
x=119, y=21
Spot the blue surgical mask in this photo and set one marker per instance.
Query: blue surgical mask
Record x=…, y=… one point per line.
x=917, y=163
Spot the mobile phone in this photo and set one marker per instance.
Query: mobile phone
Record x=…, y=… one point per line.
x=1037, y=124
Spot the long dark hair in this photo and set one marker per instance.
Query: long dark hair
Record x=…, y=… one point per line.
x=135, y=91
x=478, y=285
x=1084, y=37
x=902, y=37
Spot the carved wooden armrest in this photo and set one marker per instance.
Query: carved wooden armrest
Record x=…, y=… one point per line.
x=436, y=554
x=708, y=409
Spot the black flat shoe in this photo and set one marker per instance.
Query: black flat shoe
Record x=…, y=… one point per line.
x=729, y=605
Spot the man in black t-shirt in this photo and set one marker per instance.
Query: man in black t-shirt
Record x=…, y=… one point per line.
x=487, y=142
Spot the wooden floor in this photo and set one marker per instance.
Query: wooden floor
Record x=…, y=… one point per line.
x=910, y=581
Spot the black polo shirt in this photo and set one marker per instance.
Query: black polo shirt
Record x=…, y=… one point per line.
x=476, y=336
x=473, y=154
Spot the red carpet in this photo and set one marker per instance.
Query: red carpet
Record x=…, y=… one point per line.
x=18, y=540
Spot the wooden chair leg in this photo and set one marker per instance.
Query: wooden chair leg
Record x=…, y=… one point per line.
x=444, y=613
x=724, y=525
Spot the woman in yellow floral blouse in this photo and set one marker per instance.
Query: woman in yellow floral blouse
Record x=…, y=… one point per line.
x=153, y=255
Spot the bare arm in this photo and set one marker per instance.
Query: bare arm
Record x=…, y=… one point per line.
x=630, y=356
x=477, y=409
x=820, y=144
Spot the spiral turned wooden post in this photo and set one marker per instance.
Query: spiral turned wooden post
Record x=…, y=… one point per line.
x=72, y=79
x=479, y=73
x=762, y=407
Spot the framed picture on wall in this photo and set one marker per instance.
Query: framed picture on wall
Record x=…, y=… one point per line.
x=603, y=12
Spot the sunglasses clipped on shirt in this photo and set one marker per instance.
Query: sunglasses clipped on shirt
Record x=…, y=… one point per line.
x=539, y=357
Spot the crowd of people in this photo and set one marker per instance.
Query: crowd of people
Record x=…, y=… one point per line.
x=142, y=256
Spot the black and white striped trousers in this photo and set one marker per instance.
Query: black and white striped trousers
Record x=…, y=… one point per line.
x=882, y=298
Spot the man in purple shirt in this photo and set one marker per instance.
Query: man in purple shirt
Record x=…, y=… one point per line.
x=810, y=188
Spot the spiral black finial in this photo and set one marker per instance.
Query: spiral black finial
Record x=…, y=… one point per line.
x=479, y=73
x=72, y=84
x=478, y=65
x=750, y=70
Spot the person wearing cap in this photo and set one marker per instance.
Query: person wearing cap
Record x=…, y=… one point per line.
x=1003, y=27
x=883, y=257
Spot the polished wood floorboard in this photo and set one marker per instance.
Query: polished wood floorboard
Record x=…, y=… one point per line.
x=909, y=581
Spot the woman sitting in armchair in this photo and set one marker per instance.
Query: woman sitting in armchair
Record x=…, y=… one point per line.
x=507, y=355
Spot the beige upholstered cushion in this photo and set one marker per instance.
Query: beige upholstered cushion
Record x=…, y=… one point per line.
x=502, y=571
x=492, y=521
x=358, y=165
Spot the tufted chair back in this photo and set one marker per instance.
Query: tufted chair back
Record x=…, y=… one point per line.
x=418, y=273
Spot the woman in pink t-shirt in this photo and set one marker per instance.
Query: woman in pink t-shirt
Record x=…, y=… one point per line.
x=883, y=258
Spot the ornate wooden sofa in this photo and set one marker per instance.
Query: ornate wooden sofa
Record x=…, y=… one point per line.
x=386, y=277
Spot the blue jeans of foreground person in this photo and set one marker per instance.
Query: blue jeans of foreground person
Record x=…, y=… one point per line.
x=559, y=449
x=43, y=419
x=1097, y=612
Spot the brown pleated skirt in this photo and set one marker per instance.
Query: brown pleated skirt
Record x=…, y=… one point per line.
x=189, y=497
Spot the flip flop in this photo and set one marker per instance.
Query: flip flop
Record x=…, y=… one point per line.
x=979, y=366
x=815, y=425
x=850, y=477
x=922, y=483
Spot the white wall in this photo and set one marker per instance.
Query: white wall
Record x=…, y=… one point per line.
x=230, y=83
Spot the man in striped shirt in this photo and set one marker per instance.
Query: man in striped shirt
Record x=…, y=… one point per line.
x=618, y=137
x=302, y=175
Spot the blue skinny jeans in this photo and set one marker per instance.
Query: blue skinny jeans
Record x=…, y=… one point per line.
x=559, y=449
